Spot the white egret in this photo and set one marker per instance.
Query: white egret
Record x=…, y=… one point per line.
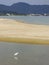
x=16, y=53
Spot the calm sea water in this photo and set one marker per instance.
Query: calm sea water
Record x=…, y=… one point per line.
x=28, y=54
x=30, y=19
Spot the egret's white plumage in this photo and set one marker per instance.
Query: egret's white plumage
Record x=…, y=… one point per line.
x=16, y=53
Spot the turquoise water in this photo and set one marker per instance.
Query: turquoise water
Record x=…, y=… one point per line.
x=30, y=19
x=28, y=54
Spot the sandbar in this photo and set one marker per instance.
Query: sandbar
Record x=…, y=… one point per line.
x=20, y=32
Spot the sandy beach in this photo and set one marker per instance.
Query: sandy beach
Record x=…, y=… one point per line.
x=17, y=31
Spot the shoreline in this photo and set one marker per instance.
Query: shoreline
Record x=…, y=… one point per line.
x=20, y=32
x=25, y=41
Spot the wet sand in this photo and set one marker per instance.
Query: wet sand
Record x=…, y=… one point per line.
x=17, y=31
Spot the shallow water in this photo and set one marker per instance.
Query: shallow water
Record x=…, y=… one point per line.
x=44, y=20
x=28, y=54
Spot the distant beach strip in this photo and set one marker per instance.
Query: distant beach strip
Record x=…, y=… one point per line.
x=20, y=32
